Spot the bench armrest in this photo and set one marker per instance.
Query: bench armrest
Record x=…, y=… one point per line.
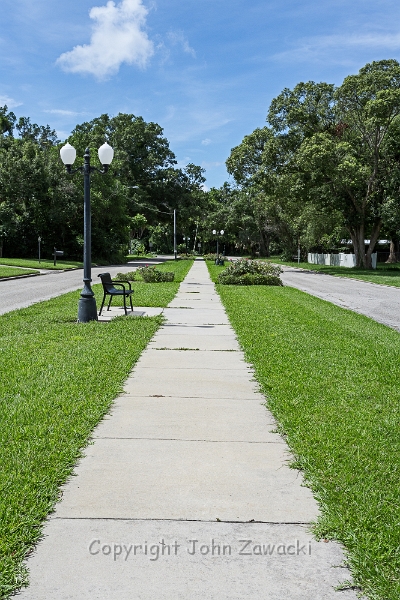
x=123, y=283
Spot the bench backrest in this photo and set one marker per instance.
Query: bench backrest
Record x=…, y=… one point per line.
x=106, y=281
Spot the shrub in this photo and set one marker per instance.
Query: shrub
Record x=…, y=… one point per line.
x=186, y=256
x=250, y=279
x=151, y=275
x=137, y=247
x=126, y=276
x=250, y=272
x=213, y=257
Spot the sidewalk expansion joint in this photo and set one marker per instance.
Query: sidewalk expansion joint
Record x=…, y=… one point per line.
x=204, y=326
x=193, y=349
x=128, y=395
x=216, y=521
x=191, y=368
x=180, y=324
x=106, y=437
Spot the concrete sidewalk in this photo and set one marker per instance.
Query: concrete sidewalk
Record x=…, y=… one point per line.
x=185, y=492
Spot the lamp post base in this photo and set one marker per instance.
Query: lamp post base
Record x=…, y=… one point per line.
x=87, y=309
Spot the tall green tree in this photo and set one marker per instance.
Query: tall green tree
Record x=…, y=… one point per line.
x=350, y=167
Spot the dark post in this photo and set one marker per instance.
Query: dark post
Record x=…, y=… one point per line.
x=39, y=240
x=87, y=310
x=175, y=251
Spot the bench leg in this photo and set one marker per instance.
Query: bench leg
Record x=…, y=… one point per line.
x=102, y=304
x=126, y=312
x=130, y=300
x=109, y=304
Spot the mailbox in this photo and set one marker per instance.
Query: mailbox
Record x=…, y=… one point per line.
x=57, y=254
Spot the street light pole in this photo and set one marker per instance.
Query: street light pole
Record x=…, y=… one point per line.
x=175, y=251
x=39, y=240
x=218, y=233
x=87, y=310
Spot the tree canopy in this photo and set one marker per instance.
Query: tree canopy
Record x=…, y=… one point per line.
x=37, y=196
x=327, y=164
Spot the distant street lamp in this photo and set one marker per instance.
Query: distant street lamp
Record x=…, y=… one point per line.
x=87, y=310
x=218, y=234
x=186, y=239
x=39, y=240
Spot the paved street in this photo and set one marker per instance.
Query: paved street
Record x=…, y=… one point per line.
x=379, y=302
x=19, y=293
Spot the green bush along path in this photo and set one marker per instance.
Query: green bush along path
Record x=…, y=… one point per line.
x=58, y=379
x=331, y=378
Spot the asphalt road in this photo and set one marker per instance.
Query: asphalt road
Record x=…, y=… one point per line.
x=19, y=293
x=380, y=302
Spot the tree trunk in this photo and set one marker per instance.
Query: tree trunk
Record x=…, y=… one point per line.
x=1, y=247
x=264, y=243
x=195, y=239
x=374, y=238
x=364, y=259
x=358, y=237
x=392, y=252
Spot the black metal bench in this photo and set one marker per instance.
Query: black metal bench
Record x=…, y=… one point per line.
x=109, y=289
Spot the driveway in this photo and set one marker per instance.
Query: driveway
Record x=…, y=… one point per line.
x=380, y=302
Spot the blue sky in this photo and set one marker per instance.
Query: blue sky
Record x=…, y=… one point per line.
x=206, y=71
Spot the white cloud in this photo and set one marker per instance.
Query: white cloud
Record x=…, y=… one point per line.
x=63, y=113
x=336, y=47
x=206, y=142
x=177, y=37
x=10, y=102
x=117, y=37
x=208, y=165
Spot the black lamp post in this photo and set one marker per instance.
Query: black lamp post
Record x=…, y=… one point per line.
x=87, y=310
x=218, y=233
x=186, y=239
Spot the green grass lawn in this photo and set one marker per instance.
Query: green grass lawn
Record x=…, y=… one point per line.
x=58, y=380
x=30, y=263
x=141, y=257
x=331, y=378
x=12, y=272
x=384, y=274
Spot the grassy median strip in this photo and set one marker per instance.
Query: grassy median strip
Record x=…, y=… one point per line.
x=32, y=263
x=58, y=380
x=384, y=274
x=153, y=294
x=331, y=378
x=12, y=272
